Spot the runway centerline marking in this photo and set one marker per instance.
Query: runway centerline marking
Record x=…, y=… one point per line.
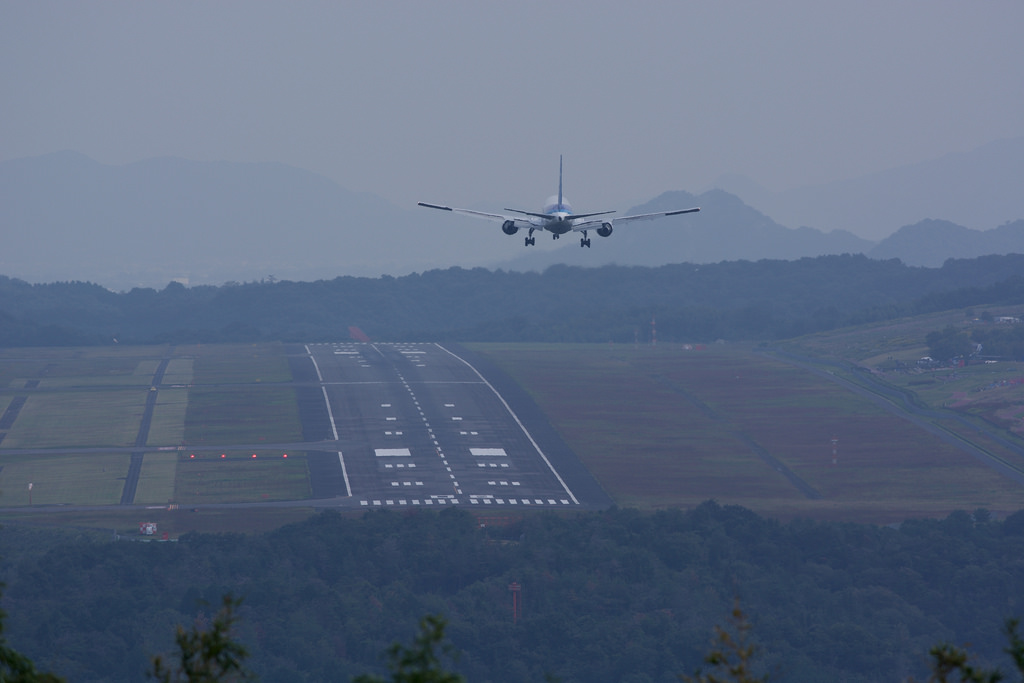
x=515, y=417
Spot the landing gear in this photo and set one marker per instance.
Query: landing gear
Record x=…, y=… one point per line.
x=530, y=239
x=585, y=241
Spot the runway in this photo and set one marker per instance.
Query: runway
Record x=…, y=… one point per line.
x=421, y=427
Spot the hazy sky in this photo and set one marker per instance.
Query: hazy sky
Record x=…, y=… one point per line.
x=472, y=102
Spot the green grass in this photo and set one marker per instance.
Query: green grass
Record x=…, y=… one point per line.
x=78, y=418
x=96, y=479
x=89, y=404
x=156, y=481
x=14, y=372
x=238, y=363
x=174, y=522
x=241, y=478
x=167, y=427
x=242, y=415
x=179, y=371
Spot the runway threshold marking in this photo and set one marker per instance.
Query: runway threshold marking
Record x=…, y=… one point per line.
x=485, y=452
x=334, y=427
x=392, y=452
x=518, y=422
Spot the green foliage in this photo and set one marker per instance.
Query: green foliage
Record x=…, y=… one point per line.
x=949, y=343
x=949, y=661
x=420, y=663
x=617, y=595
x=732, y=655
x=206, y=655
x=16, y=667
x=731, y=300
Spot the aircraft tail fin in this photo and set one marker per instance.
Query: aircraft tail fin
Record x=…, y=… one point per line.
x=559, y=181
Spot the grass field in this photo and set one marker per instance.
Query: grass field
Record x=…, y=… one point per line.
x=237, y=363
x=78, y=418
x=168, y=425
x=157, y=479
x=96, y=479
x=89, y=398
x=242, y=415
x=235, y=479
x=663, y=426
x=174, y=521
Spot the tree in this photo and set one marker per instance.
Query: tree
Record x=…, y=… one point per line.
x=16, y=667
x=732, y=654
x=420, y=663
x=949, y=343
x=948, y=660
x=207, y=656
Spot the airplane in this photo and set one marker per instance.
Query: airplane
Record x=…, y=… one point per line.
x=557, y=218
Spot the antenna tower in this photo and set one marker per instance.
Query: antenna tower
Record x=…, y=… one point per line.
x=515, y=587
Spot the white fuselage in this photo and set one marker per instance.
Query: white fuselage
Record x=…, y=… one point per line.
x=558, y=216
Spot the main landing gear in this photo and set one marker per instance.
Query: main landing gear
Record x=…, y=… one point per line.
x=530, y=240
x=584, y=241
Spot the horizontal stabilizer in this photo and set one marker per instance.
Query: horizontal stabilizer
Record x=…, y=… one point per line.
x=548, y=216
x=434, y=206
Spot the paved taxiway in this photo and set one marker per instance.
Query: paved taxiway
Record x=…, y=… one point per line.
x=420, y=427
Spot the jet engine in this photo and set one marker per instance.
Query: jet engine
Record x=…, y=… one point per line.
x=509, y=228
x=605, y=229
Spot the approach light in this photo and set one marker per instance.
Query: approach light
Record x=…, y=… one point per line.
x=285, y=455
x=254, y=455
x=192, y=457
x=223, y=455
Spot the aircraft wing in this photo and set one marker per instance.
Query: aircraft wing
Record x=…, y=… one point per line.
x=469, y=212
x=589, y=225
x=594, y=225
x=648, y=216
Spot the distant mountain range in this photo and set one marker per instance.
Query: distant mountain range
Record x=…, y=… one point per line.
x=64, y=217
x=980, y=189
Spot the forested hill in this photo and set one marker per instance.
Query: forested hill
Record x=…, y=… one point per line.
x=617, y=596
x=737, y=300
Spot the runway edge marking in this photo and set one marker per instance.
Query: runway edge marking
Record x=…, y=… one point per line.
x=516, y=418
x=330, y=414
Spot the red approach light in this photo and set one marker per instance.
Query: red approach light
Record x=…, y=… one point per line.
x=192, y=457
x=253, y=455
x=285, y=455
x=223, y=455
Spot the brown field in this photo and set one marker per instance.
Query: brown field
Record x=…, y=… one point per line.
x=664, y=427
